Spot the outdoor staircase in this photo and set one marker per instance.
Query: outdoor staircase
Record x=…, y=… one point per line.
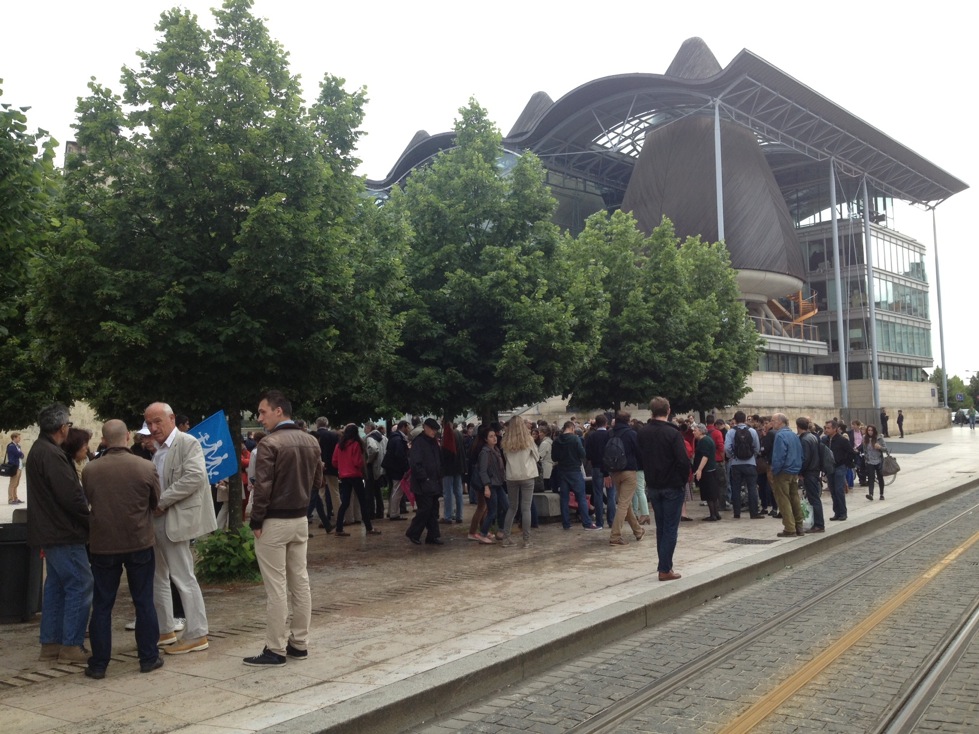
x=794, y=317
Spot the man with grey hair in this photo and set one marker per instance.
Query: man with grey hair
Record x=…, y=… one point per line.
x=57, y=523
x=786, y=463
x=185, y=512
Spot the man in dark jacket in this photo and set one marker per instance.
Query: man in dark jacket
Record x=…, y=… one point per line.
x=123, y=491
x=568, y=453
x=663, y=457
x=842, y=450
x=395, y=466
x=810, y=473
x=57, y=522
x=624, y=480
x=426, y=482
x=601, y=482
x=290, y=466
x=328, y=440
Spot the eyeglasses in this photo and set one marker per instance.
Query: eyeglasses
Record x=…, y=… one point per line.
x=69, y=424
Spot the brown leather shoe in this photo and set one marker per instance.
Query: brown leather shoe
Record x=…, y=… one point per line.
x=641, y=534
x=670, y=576
x=75, y=654
x=185, y=646
x=49, y=651
x=167, y=638
x=616, y=541
x=785, y=535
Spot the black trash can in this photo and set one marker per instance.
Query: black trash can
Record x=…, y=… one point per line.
x=21, y=571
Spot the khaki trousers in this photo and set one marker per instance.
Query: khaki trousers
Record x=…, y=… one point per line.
x=281, y=554
x=625, y=483
x=785, y=487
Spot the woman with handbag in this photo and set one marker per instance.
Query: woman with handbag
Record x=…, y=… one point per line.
x=873, y=459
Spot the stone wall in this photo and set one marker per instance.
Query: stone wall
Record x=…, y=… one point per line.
x=82, y=416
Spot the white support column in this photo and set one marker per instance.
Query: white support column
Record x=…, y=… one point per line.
x=872, y=334
x=941, y=323
x=841, y=334
x=718, y=178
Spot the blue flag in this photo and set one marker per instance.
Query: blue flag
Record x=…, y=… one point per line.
x=219, y=451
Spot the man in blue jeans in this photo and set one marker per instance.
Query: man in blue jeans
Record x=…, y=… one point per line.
x=663, y=457
x=568, y=453
x=123, y=490
x=810, y=473
x=744, y=470
x=601, y=482
x=58, y=524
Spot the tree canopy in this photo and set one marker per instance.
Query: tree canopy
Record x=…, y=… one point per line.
x=496, y=316
x=675, y=325
x=30, y=377
x=212, y=237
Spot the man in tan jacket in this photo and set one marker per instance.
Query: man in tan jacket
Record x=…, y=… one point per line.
x=185, y=512
x=123, y=490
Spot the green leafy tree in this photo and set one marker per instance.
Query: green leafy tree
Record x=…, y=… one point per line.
x=211, y=243
x=30, y=376
x=956, y=386
x=675, y=326
x=495, y=316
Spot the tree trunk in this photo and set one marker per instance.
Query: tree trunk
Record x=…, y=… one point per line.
x=235, y=492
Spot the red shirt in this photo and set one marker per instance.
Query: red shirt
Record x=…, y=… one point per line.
x=349, y=460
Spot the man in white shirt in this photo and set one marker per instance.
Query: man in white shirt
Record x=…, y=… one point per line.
x=184, y=512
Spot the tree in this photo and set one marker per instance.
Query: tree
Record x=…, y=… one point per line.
x=495, y=315
x=30, y=377
x=956, y=386
x=675, y=326
x=210, y=244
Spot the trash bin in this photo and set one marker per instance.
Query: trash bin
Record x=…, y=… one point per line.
x=20, y=571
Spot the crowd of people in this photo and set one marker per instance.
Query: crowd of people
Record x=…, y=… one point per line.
x=140, y=506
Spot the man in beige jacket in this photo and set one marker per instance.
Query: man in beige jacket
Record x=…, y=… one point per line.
x=185, y=512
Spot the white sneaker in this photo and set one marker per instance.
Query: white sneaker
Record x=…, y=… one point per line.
x=179, y=623
x=131, y=625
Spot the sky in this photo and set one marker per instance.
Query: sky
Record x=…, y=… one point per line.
x=904, y=73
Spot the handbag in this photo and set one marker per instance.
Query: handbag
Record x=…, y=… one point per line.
x=890, y=466
x=7, y=470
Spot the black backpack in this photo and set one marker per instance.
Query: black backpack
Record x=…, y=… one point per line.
x=744, y=446
x=826, y=459
x=614, y=458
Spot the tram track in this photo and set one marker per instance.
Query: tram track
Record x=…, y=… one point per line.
x=624, y=710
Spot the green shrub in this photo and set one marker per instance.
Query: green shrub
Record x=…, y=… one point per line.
x=227, y=555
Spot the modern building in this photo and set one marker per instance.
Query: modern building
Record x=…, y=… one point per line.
x=747, y=155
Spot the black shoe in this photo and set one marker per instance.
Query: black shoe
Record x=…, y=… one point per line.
x=398, y=517
x=295, y=653
x=94, y=673
x=737, y=516
x=711, y=518
x=329, y=527
x=434, y=541
x=416, y=541
x=267, y=659
x=759, y=516
x=151, y=666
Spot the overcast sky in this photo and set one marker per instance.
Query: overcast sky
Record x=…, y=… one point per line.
x=908, y=74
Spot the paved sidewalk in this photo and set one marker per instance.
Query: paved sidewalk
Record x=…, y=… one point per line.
x=402, y=633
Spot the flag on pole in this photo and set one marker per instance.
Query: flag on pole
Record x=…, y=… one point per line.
x=219, y=451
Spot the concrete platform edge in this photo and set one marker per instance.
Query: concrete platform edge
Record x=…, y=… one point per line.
x=427, y=695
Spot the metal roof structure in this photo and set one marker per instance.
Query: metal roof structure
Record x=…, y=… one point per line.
x=595, y=132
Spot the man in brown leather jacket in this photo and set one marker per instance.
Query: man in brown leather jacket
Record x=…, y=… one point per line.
x=289, y=466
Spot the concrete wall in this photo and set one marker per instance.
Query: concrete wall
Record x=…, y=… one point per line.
x=780, y=388
x=82, y=416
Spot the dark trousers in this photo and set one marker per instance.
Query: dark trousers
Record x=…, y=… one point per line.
x=810, y=481
x=875, y=471
x=667, y=507
x=426, y=517
x=316, y=504
x=348, y=486
x=107, y=572
x=374, y=495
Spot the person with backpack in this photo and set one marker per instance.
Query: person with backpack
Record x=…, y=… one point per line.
x=620, y=459
x=742, y=446
x=811, y=466
x=601, y=481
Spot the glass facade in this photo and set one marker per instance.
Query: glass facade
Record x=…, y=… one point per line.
x=900, y=293
x=796, y=364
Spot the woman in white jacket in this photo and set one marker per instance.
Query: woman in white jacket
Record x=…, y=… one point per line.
x=521, y=455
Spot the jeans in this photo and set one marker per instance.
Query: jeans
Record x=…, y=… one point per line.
x=107, y=572
x=573, y=481
x=810, y=480
x=316, y=503
x=837, y=490
x=67, y=595
x=598, y=491
x=485, y=511
x=522, y=497
x=452, y=494
x=875, y=471
x=354, y=485
x=667, y=506
x=744, y=474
